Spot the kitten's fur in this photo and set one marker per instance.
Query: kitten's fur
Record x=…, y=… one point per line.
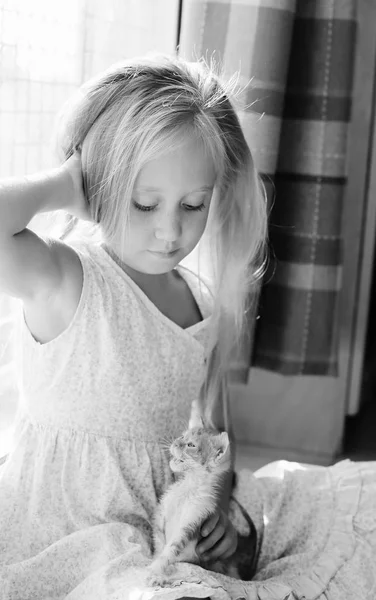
x=201, y=458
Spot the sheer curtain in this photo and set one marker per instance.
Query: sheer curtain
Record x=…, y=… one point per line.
x=47, y=49
x=46, y=53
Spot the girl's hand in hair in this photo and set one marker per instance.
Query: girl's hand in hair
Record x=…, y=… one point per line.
x=76, y=203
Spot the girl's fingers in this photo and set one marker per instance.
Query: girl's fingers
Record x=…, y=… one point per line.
x=210, y=524
x=211, y=539
x=223, y=549
x=231, y=550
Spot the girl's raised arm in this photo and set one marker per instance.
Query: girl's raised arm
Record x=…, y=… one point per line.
x=31, y=268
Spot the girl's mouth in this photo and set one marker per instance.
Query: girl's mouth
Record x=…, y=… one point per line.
x=164, y=254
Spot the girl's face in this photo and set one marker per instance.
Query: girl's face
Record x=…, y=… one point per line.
x=169, y=209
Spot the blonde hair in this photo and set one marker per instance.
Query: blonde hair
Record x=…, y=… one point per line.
x=133, y=113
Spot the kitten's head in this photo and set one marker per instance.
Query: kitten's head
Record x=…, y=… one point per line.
x=201, y=448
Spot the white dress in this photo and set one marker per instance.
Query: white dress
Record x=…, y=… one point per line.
x=99, y=405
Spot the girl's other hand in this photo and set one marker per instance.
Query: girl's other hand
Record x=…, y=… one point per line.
x=219, y=538
x=76, y=203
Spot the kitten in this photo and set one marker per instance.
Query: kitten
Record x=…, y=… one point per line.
x=200, y=459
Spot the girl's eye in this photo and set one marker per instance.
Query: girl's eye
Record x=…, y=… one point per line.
x=190, y=445
x=142, y=207
x=189, y=207
x=148, y=208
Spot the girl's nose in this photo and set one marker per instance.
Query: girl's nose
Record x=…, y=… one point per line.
x=168, y=227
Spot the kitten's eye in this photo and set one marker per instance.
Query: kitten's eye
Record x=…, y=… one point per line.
x=191, y=445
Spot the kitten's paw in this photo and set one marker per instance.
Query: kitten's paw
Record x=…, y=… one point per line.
x=155, y=580
x=160, y=578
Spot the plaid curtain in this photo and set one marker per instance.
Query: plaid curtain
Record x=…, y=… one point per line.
x=297, y=57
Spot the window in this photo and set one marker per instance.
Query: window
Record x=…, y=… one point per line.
x=47, y=49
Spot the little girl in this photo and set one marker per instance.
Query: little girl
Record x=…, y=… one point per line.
x=118, y=341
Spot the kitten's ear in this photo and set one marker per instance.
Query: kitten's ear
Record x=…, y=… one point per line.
x=197, y=422
x=196, y=419
x=223, y=443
